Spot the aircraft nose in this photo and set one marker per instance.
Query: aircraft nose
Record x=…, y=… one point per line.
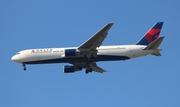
x=14, y=58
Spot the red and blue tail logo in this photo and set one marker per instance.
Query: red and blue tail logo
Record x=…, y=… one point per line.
x=151, y=35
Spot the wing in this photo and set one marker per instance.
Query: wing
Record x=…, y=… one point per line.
x=93, y=66
x=97, y=39
x=88, y=48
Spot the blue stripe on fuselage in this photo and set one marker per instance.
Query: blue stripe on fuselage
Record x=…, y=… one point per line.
x=80, y=59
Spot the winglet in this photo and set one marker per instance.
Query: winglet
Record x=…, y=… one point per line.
x=152, y=34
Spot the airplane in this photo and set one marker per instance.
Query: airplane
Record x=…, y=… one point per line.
x=87, y=54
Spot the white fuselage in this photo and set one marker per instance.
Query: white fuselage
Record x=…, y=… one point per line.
x=57, y=55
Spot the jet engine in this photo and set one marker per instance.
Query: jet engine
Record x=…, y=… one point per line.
x=70, y=52
x=71, y=69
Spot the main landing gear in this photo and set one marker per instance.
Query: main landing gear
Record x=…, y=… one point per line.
x=90, y=60
x=88, y=70
x=24, y=66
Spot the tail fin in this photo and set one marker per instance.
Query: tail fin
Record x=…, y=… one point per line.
x=151, y=35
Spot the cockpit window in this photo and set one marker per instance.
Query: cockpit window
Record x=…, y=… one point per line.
x=17, y=53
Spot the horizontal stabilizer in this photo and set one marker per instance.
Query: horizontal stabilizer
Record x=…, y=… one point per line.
x=157, y=54
x=155, y=44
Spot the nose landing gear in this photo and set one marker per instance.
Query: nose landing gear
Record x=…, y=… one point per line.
x=24, y=66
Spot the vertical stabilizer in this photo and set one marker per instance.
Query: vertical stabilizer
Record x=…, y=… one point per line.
x=152, y=34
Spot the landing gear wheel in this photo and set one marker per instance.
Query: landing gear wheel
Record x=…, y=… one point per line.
x=24, y=66
x=88, y=70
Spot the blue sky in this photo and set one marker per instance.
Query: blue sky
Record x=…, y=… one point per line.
x=142, y=82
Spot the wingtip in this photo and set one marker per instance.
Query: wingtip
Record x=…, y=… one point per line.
x=111, y=23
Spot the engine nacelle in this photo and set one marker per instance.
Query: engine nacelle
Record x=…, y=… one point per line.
x=71, y=69
x=70, y=52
